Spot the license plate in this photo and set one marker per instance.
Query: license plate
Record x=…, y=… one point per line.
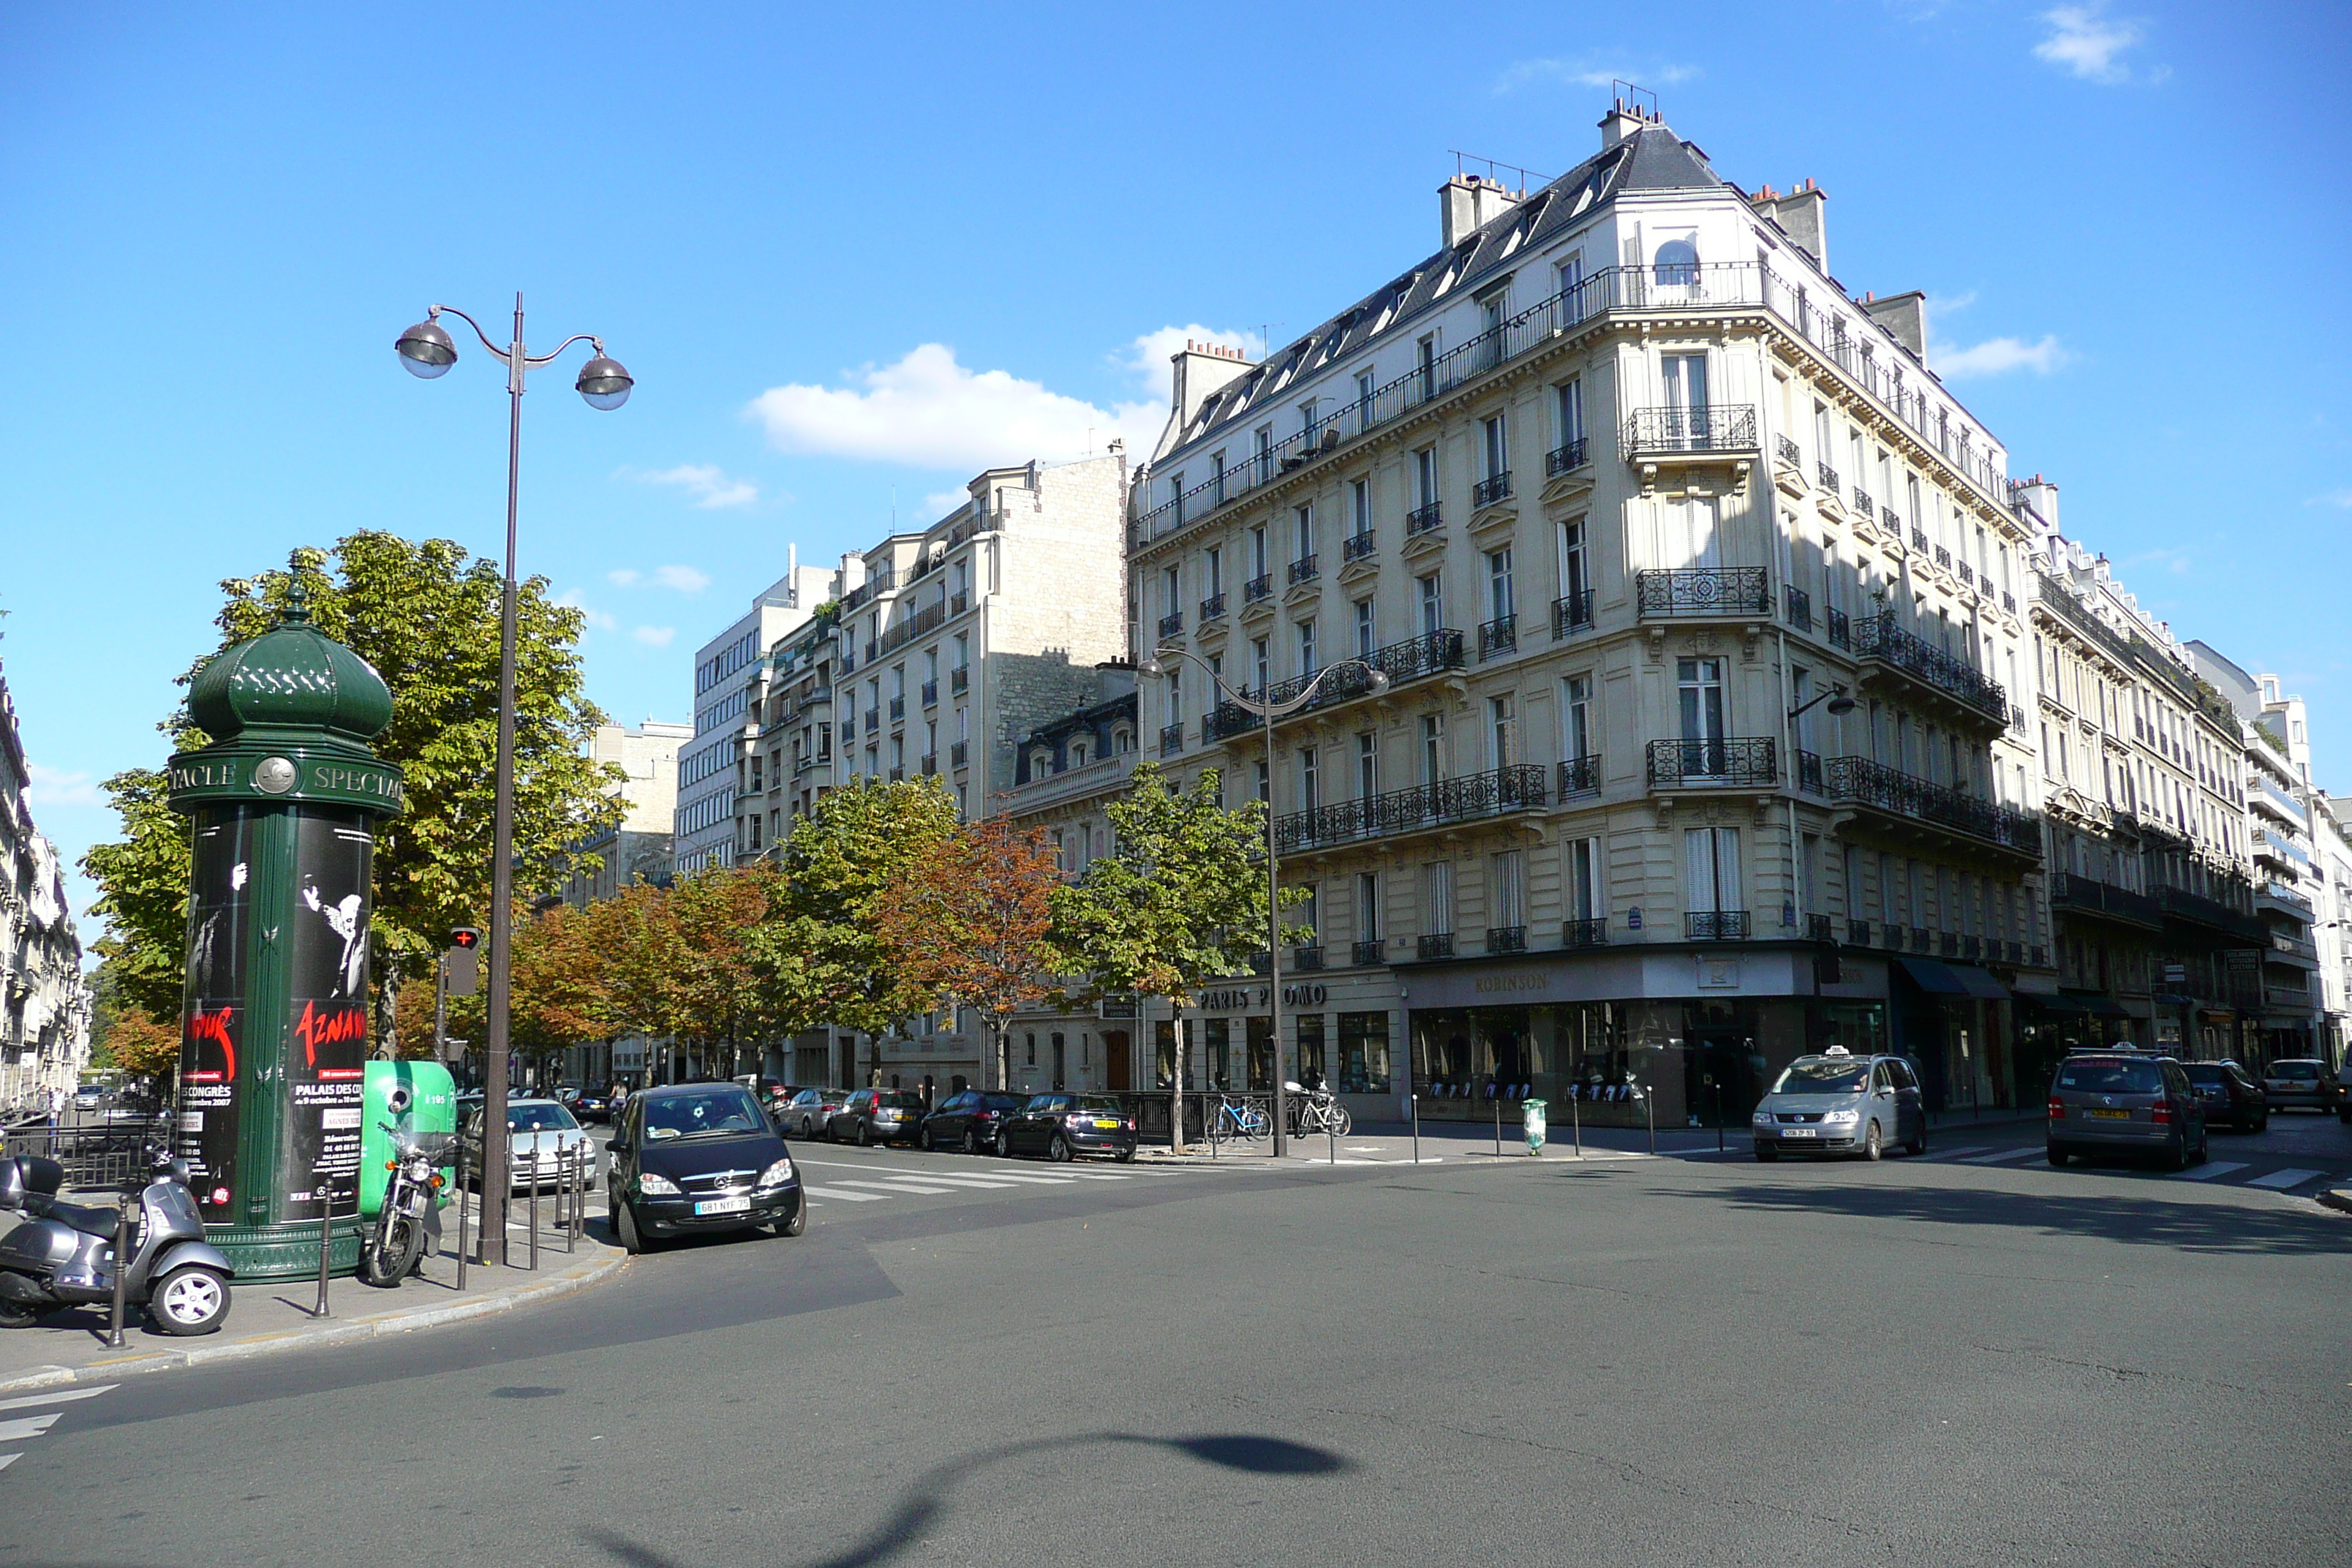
x=723, y=1205
x=1799, y=1132
x=1111, y=1125
x=2111, y=1115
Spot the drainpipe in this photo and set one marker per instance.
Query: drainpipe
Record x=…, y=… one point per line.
x=1789, y=750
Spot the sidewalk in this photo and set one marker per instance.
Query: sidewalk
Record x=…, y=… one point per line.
x=70, y=1346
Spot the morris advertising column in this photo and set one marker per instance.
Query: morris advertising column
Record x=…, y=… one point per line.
x=285, y=802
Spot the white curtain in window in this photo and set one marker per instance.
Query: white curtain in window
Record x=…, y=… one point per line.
x=1711, y=862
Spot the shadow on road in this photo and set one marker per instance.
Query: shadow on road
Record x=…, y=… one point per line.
x=925, y=1498
x=2147, y=1221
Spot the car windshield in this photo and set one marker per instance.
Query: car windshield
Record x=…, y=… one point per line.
x=2208, y=1073
x=713, y=1110
x=1004, y=1102
x=2111, y=1077
x=1824, y=1075
x=1100, y=1104
x=904, y=1099
x=2295, y=1070
x=538, y=1119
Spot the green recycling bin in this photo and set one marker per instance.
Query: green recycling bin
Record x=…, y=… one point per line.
x=421, y=1093
x=1532, y=1120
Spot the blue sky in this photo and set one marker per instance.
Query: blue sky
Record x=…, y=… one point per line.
x=853, y=253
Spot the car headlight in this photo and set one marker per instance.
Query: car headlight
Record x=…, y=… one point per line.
x=1764, y=1118
x=777, y=1174
x=1843, y=1118
x=655, y=1186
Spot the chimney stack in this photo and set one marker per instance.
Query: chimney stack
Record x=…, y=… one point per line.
x=1621, y=121
x=1199, y=370
x=1905, y=316
x=1798, y=211
x=1468, y=202
x=2041, y=496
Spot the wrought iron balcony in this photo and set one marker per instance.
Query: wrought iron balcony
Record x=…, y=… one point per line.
x=2009, y=602
x=1876, y=784
x=1922, y=939
x=1826, y=477
x=958, y=603
x=1357, y=546
x=1818, y=928
x=1713, y=428
x=1257, y=587
x=1422, y=519
x=1716, y=925
x=1564, y=459
x=1571, y=612
x=1212, y=608
x=1498, y=636
x=1584, y=933
x=1171, y=739
x=1857, y=933
x=1786, y=450
x=1801, y=608
x=1714, y=764
x=1411, y=659
x=1507, y=939
x=1580, y=775
x=897, y=708
x=1918, y=538
x=1943, y=558
x=1862, y=505
x=1304, y=570
x=1366, y=952
x=873, y=720
x=1808, y=772
x=1172, y=623
x=1307, y=958
x=931, y=763
x=1434, y=944
x=2083, y=894
x=960, y=679
x=1841, y=628
x=959, y=753
x=1492, y=488
x=931, y=693
x=1879, y=638
x=1518, y=788
x=898, y=775
x=1967, y=575
x=1704, y=591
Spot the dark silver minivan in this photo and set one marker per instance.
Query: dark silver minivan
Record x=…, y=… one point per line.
x=1840, y=1103
x=2122, y=1101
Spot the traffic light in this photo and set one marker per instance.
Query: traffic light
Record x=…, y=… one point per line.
x=464, y=960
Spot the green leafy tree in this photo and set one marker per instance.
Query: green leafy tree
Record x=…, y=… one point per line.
x=426, y=615
x=819, y=956
x=1180, y=900
x=141, y=1046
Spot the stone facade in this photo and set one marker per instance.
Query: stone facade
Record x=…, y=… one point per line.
x=44, y=1002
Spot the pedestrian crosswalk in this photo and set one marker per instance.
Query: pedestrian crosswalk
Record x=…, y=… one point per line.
x=2223, y=1172
x=2284, y=1179
x=36, y=1421
x=860, y=1182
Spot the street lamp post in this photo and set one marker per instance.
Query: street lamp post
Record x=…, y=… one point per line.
x=1268, y=712
x=1840, y=705
x=426, y=351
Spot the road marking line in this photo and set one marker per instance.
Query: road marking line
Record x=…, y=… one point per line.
x=8, y=1459
x=2004, y=1154
x=2207, y=1172
x=992, y=1183
x=60, y=1397
x=27, y=1427
x=837, y=1193
x=2279, y=1179
x=1952, y=1154
x=901, y=1186
x=903, y=1171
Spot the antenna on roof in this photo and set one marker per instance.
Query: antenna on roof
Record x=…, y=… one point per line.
x=1527, y=179
x=1633, y=99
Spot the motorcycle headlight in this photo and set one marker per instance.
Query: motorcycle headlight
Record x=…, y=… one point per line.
x=656, y=1185
x=777, y=1174
x=1846, y=1117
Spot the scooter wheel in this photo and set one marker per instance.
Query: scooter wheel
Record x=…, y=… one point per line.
x=190, y=1300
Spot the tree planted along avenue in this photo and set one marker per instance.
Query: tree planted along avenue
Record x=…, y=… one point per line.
x=139, y=1045
x=972, y=921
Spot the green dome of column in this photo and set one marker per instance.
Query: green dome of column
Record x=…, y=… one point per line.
x=291, y=675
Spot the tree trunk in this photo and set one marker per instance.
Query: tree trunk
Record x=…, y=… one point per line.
x=1176, y=1076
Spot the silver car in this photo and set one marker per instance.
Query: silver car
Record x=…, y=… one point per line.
x=540, y=1136
x=1840, y=1103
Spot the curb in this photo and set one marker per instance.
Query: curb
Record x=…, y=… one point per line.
x=393, y=1323
x=2339, y=1198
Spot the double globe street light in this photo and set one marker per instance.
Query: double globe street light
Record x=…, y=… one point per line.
x=426, y=351
x=1269, y=714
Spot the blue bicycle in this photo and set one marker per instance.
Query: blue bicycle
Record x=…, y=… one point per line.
x=1243, y=1119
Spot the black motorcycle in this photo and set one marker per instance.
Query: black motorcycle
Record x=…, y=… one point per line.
x=63, y=1253
x=408, y=1228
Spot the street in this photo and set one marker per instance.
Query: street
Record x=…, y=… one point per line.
x=1647, y=1360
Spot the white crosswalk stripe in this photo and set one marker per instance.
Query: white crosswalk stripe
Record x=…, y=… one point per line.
x=24, y=1428
x=2217, y=1168
x=899, y=1186
x=2282, y=1179
x=62, y=1396
x=842, y=1195
x=1949, y=1155
x=2004, y=1156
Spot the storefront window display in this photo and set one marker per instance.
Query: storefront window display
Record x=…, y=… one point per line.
x=1310, y=1035
x=1261, y=1054
x=1363, y=1053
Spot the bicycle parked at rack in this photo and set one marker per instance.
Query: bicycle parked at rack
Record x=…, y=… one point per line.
x=1245, y=1120
x=1316, y=1110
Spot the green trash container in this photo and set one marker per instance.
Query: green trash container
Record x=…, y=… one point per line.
x=1535, y=1123
x=422, y=1094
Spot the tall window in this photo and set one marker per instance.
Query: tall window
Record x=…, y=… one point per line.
x=1261, y=664
x=1574, y=571
x=1173, y=579
x=1498, y=446
x=1686, y=385
x=1257, y=552
x=1308, y=794
x=1175, y=696
x=1213, y=568
x=1433, y=605
x=1367, y=906
x=1507, y=882
x=1424, y=477
x=1366, y=641
x=1264, y=453
x=1306, y=665
x=1306, y=520
x=1363, y=397
x=1500, y=604
x=1425, y=358
x=1700, y=683
x=1437, y=897
x=1686, y=533
x=1576, y=717
x=1568, y=412
x=1584, y=902
x=1711, y=869
x=1368, y=765
x=1433, y=747
x=1503, y=729
x=1359, y=506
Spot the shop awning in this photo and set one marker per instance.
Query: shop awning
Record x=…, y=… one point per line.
x=2097, y=1005
x=2056, y=1003
x=1979, y=983
x=1930, y=975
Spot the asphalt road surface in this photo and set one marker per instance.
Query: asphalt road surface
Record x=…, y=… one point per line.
x=1636, y=1361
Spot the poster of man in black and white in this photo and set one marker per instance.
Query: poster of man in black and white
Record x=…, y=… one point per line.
x=326, y=1048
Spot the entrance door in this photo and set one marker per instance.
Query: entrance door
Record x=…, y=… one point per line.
x=1118, y=1068
x=1685, y=379
x=1060, y=1063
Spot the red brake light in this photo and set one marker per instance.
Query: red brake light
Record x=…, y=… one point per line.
x=2057, y=1109
x=2162, y=1113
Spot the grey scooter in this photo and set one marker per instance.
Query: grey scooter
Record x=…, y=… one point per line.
x=63, y=1253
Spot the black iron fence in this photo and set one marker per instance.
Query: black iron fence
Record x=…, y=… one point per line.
x=1713, y=428
x=1874, y=784
x=1737, y=763
x=1704, y=591
x=107, y=1155
x=1879, y=638
x=1516, y=787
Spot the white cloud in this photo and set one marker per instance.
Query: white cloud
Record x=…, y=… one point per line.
x=571, y=598
x=1147, y=358
x=927, y=411
x=684, y=579
x=2087, y=42
x=706, y=484
x=1583, y=73
x=655, y=636
x=54, y=786
x=944, y=502
x=1949, y=304
x=1997, y=356
x=2342, y=499
x=624, y=577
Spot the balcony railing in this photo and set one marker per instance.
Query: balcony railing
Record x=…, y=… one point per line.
x=1713, y=428
x=1709, y=764
x=1563, y=458
x=1304, y=570
x=1571, y=612
x=2183, y=905
x=931, y=763
x=1879, y=638
x=1517, y=787
x=2068, y=891
x=1498, y=636
x=1786, y=450
x=1171, y=739
x=1507, y=939
x=1918, y=538
x=898, y=775
x=1818, y=928
x=1366, y=951
x=873, y=720
x=897, y=708
x=1826, y=477
x=1809, y=772
x=1716, y=925
x=1874, y=784
x=1357, y=546
x=1858, y=347
x=1492, y=488
x=1411, y=659
x=1841, y=628
x=931, y=693
x=1580, y=775
x=1307, y=958
x=1433, y=944
x=1801, y=608
x=1584, y=933
x=1257, y=587
x=959, y=681
x=1422, y=518
x=959, y=753
x=1857, y=933
x=929, y=618
x=1704, y=591
x=1862, y=505
x=1172, y=623
x=958, y=603
x=1213, y=608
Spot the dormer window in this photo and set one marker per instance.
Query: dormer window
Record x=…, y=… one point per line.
x=1122, y=740
x=1077, y=754
x=1041, y=762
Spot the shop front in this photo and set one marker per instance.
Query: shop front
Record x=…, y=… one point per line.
x=1955, y=1022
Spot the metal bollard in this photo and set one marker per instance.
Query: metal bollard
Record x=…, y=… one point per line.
x=462, y=1207
x=1332, y=1132
x=534, y=1202
x=571, y=1226
x=121, y=1263
x=1495, y=1091
x=326, y=1239
x=1415, y=1098
x=1650, y=1105
x=1576, y=1120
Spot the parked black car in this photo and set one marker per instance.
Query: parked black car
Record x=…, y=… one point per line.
x=697, y=1157
x=877, y=1116
x=968, y=1120
x=2230, y=1095
x=1064, y=1126
x=805, y=1113
x=592, y=1105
